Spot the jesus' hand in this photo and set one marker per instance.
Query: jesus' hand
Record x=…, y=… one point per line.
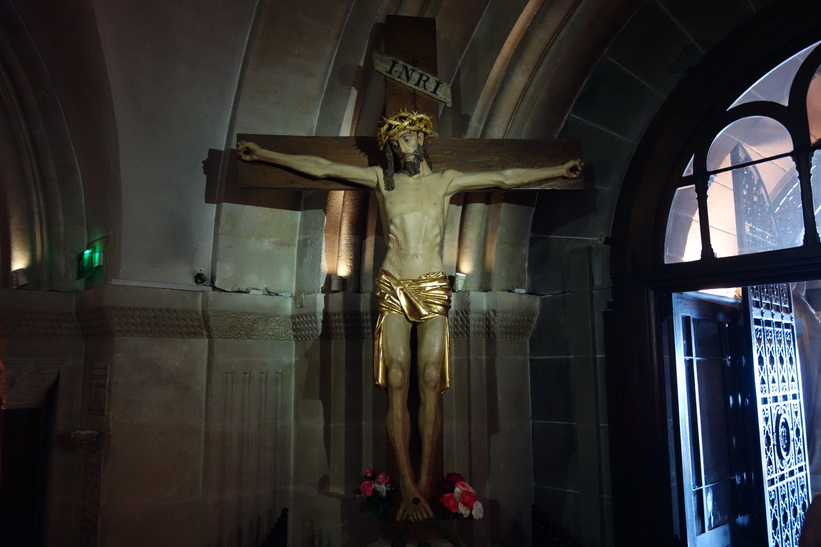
x=247, y=151
x=573, y=168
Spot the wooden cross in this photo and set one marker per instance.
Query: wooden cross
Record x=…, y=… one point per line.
x=411, y=40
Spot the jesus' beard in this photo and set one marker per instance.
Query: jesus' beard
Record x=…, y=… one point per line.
x=413, y=166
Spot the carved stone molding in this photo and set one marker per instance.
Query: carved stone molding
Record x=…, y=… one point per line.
x=25, y=385
x=306, y=326
x=248, y=326
x=121, y=321
x=37, y=324
x=354, y=325
x=469, y=324
x=491, y=324
x=513, y=325
x=159, y=322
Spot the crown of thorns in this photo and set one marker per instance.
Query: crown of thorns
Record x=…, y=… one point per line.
x=401, y=122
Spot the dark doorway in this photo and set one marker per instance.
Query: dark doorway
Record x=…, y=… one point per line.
x=24, y=454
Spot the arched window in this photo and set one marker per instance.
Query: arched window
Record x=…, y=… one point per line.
x=723, y=193
x=753, y=183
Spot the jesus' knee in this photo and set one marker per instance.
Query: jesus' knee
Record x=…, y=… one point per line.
x=397, y=362
x=429, y=378
x=397, y=378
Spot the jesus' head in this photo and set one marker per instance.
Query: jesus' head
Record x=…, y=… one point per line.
x=403, y=138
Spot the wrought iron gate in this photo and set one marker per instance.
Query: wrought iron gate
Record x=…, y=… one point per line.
x=780, y=411
x=742, y=448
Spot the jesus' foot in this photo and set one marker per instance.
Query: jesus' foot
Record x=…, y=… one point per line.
x=413, y=507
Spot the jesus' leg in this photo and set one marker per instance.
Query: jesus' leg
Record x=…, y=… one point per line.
x=431, y=350
x=396, y=346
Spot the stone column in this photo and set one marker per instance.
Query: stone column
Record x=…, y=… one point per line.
x=487, y=411
x=145, y=369
x=249, y=416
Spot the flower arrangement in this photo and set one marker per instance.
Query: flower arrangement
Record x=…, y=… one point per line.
x=458, y=501
x=375, y=490
x=459, y=498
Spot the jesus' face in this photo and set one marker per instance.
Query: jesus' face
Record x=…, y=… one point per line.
x=407, y=147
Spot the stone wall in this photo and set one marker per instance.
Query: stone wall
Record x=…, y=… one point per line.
x=196, y=417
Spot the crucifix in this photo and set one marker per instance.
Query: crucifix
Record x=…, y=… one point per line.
x=412, y=290
x=411, y=42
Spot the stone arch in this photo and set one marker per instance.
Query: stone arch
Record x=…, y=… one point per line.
x=42, y=216
x=637, y=422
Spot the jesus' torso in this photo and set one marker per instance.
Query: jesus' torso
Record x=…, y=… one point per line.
x=413, y=216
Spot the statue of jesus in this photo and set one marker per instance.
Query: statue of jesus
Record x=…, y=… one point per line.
x=412, y=288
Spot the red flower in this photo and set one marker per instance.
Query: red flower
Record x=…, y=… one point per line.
x=454, y=478
x=467, y=498
x=462, y=485
x=368, y=473
x=366, y=489
x=449, y=502
x=383, y=478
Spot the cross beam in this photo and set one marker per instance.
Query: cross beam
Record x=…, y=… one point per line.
x=410, y=40
x=466, y=155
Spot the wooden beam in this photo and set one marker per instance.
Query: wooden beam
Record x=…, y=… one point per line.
x=466, y=155
x=412, y=40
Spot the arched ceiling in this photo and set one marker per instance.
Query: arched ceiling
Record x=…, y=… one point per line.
x=309, y=68
x=515, y=68
x=147, y=89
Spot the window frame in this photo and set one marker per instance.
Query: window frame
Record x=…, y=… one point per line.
x=793, y=117
x=637, y=416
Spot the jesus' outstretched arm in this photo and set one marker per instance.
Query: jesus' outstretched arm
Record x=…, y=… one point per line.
x=511, y=178
x=313, y=166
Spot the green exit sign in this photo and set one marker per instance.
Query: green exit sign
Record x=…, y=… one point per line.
x=89, y=261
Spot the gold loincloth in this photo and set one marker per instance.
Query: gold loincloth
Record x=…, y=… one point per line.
x=418, y=300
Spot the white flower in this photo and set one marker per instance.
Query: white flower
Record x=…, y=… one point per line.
x=478, y=510
x=381, y=489
x=464, y=510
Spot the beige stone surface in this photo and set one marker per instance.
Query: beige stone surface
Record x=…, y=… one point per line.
x=224, y=408
x=257, y=247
